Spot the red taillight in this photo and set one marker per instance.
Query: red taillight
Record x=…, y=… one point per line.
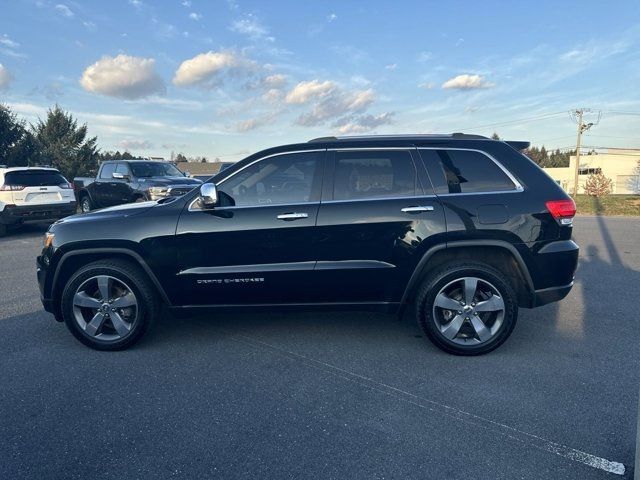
x=12, y=188
x=562, y=210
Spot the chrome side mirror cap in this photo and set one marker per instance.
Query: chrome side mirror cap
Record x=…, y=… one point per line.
x=208, y=195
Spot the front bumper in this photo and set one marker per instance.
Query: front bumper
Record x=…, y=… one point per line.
x=12, y=214
x=48, y=303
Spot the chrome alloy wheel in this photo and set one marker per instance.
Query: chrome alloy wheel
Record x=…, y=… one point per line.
x=105, y=308
x=468, y=311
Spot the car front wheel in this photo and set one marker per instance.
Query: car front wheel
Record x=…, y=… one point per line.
x=109, y=304
x=467, y=309
x=85, y=204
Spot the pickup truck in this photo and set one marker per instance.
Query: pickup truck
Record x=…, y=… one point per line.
x=128, y=181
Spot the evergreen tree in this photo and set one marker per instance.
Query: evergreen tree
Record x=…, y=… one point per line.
x=64, y=145
x=16, y=142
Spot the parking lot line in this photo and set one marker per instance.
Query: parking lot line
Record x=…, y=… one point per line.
x=528, y=439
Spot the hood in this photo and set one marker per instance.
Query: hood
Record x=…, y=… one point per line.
x=119, y=211
x=162, y=181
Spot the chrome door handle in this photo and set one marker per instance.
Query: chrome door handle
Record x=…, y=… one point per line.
x=292, y=216
x=428, y=208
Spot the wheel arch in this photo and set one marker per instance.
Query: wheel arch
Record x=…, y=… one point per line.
x=71, y=261
x=496, y=253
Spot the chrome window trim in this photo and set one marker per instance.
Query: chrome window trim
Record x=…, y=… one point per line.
x=194, y=209
x=518, y=186
x=347, y=149
x=376, y=199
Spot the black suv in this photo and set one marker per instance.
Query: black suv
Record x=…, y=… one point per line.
x=466, y=228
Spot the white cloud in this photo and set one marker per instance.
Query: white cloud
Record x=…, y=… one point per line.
x=365, y=123
x=307, y=91
x=391, y=66
x=123, y=76
x=63, y=10
x=89, y=25
x=273, y=95
x=7, y=42
x=332, y=17
x=186, y=3
x=133, y=144
x=274, y=81
x=206, y=69
x=466, y=82
x=427, y=85
x=250, y=26
x=5, y=77
x=136, y=3
x=329, y=101
x=250, y=124
x=195, y=16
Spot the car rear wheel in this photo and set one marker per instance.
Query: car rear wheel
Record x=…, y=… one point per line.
x=85, y=204
x=109, y=304
x=467, y=309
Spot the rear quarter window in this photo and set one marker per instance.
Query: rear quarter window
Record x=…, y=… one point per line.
x=465, y=171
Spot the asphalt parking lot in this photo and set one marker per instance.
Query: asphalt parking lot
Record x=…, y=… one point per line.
x=327, y=395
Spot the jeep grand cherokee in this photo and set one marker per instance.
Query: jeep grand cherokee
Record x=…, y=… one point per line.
x=466, y=228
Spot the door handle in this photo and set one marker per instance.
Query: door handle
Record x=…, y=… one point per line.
x=292, y=216
x=428, y=208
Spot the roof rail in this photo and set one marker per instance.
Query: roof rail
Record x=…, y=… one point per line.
x=399, y=136
x=323, y=139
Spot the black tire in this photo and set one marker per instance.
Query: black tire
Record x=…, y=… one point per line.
x=432, y=319
x=139, y=199
x=85, y=204
x=123, y=271
x=3, y=229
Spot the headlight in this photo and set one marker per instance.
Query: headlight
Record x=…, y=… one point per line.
x=158, y=192
x=48, y=239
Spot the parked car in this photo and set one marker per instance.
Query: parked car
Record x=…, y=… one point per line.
x=465, y=228
x=126, y=181
x=30, y=194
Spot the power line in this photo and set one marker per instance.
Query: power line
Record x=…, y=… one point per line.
x=510, y=122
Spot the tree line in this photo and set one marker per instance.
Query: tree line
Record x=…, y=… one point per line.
x=546, y=158
x=57, y=140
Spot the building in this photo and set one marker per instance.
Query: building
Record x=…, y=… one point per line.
x=619, y=165
x=200, y=170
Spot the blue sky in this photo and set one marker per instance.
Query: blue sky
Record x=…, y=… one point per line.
x=226, y=78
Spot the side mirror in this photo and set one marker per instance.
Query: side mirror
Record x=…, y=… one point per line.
x=120, y=176
x=208, y=195
x=187, y=174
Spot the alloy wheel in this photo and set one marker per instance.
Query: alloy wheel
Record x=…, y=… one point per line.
x=468, y=311
x=105, y=308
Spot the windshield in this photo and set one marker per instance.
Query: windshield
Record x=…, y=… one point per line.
x=154, y=169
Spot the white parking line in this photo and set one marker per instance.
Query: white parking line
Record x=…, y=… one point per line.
x=529, y=439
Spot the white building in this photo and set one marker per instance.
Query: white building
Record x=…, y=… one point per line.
x=621, y=166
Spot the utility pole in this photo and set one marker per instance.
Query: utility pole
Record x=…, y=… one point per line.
x=582, y=127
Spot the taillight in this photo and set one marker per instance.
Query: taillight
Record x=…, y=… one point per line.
x=11, y=188
x=66, y=185
x=562, y=210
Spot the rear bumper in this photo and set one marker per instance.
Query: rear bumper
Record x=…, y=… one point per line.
x=554, y=267
x=12, y=214
x=549, y=295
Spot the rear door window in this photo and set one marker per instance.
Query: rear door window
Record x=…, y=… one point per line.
x=374, y=174
x=34, y=178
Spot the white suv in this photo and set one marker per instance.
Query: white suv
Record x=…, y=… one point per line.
x=33, y=194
